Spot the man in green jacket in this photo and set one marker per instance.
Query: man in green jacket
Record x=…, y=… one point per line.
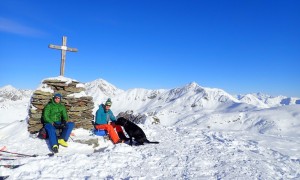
x=55, y=116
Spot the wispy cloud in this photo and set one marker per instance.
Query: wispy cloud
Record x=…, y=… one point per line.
x=9, y=26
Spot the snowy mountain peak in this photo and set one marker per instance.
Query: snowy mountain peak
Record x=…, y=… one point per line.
x=100, y=89
x=192, y=85
x=261, y=96
x=11, y=93
x=252, y=99
x=8, y=88
x=104, y=86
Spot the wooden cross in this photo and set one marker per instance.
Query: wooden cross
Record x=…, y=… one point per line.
x=63, y=49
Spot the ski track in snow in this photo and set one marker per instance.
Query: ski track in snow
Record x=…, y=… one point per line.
x=183, y=153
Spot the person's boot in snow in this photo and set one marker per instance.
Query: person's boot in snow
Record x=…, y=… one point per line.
x=63, y=142
x=55, y=149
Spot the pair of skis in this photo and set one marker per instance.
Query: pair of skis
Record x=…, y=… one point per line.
x=9, y=166
x=14, y=155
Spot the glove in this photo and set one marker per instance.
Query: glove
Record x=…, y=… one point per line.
x=60, y=126
x=57, y=126
x=63, y=124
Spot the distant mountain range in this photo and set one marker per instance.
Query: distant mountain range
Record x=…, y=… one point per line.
x=190, y=104
x=191, y=95
x=266, y=101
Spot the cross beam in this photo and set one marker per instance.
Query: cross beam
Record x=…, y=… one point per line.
x=63, y=49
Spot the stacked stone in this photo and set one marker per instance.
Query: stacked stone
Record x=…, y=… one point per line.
x=79, y=105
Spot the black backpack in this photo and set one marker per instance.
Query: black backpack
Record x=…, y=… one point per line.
x=42, y=133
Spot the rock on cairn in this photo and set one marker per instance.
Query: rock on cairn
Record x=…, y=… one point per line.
x=79, y=105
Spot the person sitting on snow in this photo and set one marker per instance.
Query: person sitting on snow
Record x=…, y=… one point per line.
x=105, y=121
x=55, y=117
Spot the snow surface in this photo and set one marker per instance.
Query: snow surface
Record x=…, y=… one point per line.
x=204, y=133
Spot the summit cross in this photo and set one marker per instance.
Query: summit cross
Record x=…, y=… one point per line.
x=63, y=49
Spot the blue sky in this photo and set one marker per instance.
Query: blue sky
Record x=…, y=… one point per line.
x=238, y=46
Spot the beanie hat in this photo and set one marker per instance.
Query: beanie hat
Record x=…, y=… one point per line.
x=57, y=95
x=108, y=102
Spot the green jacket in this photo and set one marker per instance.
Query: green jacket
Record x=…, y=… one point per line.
x=55, y=112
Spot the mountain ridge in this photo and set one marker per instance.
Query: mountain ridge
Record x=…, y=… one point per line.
x=100, y=89
x=210, y=107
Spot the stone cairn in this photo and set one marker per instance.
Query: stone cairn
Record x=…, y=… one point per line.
x=79, y=105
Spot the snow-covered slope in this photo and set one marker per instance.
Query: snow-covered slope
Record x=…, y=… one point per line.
x=205, y=133
x=13, y=104
x=283, y=120
x=187, y=150
x=251, y=99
